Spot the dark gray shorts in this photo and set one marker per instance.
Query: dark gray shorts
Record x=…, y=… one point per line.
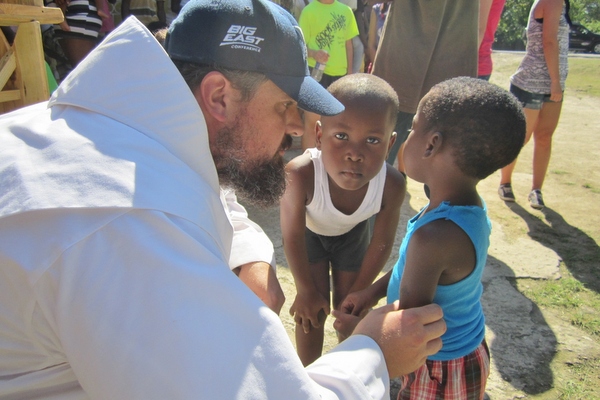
x=533, y=101
x=344, y=252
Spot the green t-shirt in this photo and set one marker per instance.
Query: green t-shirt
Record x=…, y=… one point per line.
x=327, y=27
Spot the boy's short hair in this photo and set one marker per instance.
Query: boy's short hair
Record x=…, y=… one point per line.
x=366, y=89
x=484, y=123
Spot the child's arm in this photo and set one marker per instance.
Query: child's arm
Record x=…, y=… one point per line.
x=439, y=253
x=308, y=302
x=384, y=231
x=349, y=56
x=357, y=304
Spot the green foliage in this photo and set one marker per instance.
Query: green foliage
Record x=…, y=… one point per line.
x=587, y=13
x=509, y=35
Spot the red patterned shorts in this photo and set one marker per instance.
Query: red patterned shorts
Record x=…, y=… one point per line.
x=459, y=379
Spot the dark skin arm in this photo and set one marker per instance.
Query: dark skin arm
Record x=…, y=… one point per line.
x=384, y=230
x=308, y=302
x=356, y=306
x=439, y=252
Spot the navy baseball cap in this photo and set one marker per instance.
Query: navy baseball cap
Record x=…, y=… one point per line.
x=249, y=35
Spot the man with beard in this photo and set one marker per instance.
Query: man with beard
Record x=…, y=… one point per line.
x=114, y=239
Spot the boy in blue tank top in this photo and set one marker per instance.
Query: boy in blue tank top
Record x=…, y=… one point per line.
x=464, y=130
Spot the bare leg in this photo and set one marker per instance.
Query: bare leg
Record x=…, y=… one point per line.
x=76, y=49
x=531, y=117
x=542, y=141
x=310, y=345
x=342, y=283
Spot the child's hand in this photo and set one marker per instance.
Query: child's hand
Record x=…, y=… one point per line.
x=309, y=310
x=357, y=303
x=344, y=323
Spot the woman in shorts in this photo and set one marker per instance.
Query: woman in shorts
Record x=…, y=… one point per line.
x=78, y=33
x=539, y=83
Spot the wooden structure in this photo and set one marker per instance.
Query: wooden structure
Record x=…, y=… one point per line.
x=23, y=76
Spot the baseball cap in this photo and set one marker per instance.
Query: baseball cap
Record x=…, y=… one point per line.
x=249, y=35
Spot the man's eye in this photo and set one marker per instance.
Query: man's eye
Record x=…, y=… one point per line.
x=341, y=136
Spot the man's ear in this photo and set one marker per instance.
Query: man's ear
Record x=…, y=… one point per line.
x=214, y=95
x=391, y=143
x=318, y=134
x=434, y=144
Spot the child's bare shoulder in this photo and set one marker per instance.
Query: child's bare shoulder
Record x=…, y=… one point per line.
x=300, y=164
x=393, y=177
x=300, y=171
x=442, y=238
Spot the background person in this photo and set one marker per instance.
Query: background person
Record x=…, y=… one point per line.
x=539, y=83
x=445, y=33
x=78, y=33
x=328, y=27
x=490, y=12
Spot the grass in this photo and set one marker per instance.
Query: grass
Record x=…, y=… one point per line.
x=569, y=298
x=586, y=372
x=575, y=298
x=584, y=77
x=568, y=295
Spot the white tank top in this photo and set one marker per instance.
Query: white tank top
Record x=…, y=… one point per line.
x=321, y=215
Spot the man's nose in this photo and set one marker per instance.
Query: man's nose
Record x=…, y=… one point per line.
x=295, y=122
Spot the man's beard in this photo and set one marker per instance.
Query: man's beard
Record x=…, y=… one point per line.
x=259, y=182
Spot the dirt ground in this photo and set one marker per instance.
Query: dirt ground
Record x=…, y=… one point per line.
x=536, y=351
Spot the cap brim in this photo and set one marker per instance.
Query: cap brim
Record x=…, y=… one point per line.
x=309, y=94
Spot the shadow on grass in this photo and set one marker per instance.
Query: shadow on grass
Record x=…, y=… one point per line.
x=579, y=252
x=523, y=344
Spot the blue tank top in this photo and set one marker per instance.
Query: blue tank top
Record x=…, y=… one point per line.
x=460, y=301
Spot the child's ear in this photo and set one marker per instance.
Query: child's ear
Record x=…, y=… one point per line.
x=391, y=143
x=434, y=144
x=318, y=134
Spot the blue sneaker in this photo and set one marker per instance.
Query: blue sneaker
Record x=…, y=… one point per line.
x=506, y=193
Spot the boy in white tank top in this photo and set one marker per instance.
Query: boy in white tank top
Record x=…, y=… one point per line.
x=332, y=192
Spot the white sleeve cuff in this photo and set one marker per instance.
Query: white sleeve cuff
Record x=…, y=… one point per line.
x=355, y=369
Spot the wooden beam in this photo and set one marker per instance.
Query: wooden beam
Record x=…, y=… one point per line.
x=10, y=95
x=8, y=63
x=31, y=69
x=14, y=14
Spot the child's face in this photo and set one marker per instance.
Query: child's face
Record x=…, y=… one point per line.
x=415, y=147
x=355, y=144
